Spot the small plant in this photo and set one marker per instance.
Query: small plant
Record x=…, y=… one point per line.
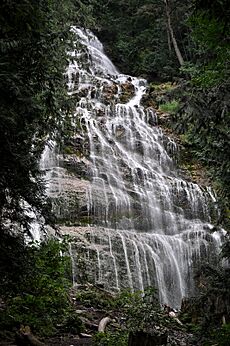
x=170, y=107
x=111, y=339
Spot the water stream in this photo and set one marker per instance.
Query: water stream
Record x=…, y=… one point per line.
x=145, y=224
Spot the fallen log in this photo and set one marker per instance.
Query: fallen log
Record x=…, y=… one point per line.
x=103, y=323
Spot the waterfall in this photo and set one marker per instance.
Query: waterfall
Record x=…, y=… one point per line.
x=134, y=220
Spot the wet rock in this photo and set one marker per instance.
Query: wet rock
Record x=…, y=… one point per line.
x=109, y=92
x=120, y=131
x=127, y=91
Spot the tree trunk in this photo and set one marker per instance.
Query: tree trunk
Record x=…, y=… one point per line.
x=170, y=29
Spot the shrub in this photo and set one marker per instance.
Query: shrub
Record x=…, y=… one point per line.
x=41, y=301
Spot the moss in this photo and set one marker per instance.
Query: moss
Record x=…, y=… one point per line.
x=68, y=150
x=161, y=87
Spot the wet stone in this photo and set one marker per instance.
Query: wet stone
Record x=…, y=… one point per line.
x=117, y=191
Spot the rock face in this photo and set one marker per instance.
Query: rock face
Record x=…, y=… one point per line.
x=134, y=220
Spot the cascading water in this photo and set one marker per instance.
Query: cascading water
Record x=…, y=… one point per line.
x=144, y=225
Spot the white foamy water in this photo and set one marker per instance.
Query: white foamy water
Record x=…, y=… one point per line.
x=147, y=225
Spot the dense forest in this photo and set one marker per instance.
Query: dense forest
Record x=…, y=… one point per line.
x=183, y=50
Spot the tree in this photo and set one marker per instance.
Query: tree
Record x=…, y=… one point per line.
x=36, y=296
x=33, y=99
x=138, y=35
x=171, y=34
x=35, y=37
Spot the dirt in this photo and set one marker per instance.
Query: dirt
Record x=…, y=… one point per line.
x=65, y=340
x=68, y=340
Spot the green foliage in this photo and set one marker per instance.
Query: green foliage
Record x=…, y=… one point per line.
x=13, y=263
x=226, y=246
x=212, y=51
x=206, y=312
x=84, y=13
x=33, y=98
x=142, y=310
x=170, y=107
x=219, y=9
x=204, y=118
x=111, y=339
x=41, y=298
x=96, y=298
x=138, y=311
x=136, y=38
x=203, y=123
x=221, y=336
x=72, y=323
